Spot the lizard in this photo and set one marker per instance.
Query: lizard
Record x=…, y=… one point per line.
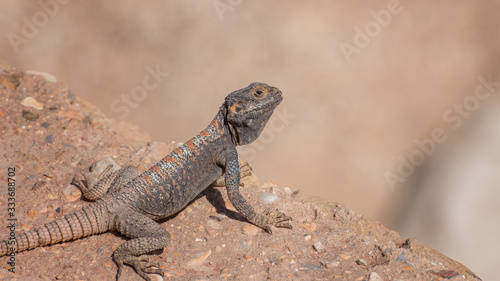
x=131, y=202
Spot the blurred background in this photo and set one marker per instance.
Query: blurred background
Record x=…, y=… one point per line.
x=390, y=107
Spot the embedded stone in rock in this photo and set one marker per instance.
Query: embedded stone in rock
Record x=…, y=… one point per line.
x=266, y=198
x=201, y=258
x=31, y=102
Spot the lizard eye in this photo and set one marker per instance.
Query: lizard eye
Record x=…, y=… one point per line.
x=259, y=94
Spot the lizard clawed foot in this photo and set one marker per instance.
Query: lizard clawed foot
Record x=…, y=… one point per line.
x=245, y=170
x=267, y=220
x=90, y=180
x=141, y=264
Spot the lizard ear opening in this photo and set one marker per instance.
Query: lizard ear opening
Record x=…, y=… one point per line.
x=229, y=119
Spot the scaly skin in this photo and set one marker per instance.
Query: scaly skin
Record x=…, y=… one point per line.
x=131, y=202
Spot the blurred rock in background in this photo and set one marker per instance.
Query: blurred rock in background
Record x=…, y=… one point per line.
x=363, y=83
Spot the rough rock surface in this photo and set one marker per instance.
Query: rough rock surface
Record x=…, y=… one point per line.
x=49, y=141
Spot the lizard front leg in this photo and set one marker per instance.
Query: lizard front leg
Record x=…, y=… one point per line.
x=232, y=178
x=245, y=171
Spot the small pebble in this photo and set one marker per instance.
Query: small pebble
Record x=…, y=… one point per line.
x=266, y=198
x=101, y=165
x=318, y=247
x=45, y=124
x=361, y=262
x=250, y=229
x=311, y=226
x=287, y=190
x=32, y=214
x=201, y=258
x=218, y=249
x=305, y=251
x=30, y=116
x=67, y=144
x=31, y=102
x=156, y=277
x=243, y=244
x=50, y=139
x=344, y=257
x=71, y=193
x=332, y=264
x=247, y=257
x=213, y=224
x=402, y=257
x=374, y=277
x=310, y=267
x=52, y=196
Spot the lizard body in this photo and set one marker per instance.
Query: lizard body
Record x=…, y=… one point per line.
x=130, y=202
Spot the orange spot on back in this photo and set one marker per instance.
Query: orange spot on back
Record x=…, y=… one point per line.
x=148, y=180
x=158, y=171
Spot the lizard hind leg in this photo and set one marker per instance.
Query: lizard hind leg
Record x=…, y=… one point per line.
x=106, y=182
x=147, y=236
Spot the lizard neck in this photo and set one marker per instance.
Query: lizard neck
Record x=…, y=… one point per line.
x=219, y=129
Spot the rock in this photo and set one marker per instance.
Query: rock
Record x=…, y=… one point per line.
x=266, y=198
x=71, y=193
x=285, y=255
x=198, y=260
x=31, y=102
x=250, y=229
x=318, y=247
x=374, y=277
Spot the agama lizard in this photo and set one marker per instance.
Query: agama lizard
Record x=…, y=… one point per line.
x=131, y=202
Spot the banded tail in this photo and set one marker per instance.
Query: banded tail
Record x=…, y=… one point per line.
x=87, y=221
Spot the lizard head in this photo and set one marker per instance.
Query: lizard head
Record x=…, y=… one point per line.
x=249, y=109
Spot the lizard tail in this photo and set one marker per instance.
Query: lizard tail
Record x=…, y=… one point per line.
x=87, y=221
